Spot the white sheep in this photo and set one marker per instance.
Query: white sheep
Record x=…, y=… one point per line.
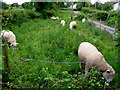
x=9, y=37
x=62, y=23
x=72, y=24
x=89, y=55
x=54, y=18
x=83, y=20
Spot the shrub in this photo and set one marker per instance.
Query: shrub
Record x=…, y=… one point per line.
x=17, y=16
x=101, y=15
x=46, y=8
x=48, y=13
x=81, y=16
x=111, y=21
x=80, y=5
x=97, y=14
x=86, y=9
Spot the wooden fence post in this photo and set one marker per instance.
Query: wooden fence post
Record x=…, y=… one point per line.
x=5, y=59
x=72, y=11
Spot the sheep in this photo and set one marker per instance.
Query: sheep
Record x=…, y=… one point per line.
x=83, y=20
x=73, y=24
x=62, y=23
x=54, y=18
x=89, y=55
x=9, y=37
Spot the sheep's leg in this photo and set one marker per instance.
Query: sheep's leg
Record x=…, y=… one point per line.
x=86, y=70
x=80, y=65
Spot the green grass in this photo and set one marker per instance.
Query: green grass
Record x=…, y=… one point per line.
x=43, y=39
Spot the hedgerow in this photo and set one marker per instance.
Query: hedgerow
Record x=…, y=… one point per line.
x=17, y=16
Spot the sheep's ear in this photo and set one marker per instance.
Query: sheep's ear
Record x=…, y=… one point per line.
x=108, y=71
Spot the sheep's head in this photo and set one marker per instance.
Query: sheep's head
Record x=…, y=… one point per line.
x=14, y=45
x=109, y=74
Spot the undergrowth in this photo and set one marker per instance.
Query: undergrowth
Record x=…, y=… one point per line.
x=42, y=40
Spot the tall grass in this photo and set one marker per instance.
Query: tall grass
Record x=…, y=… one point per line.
x=44, y=39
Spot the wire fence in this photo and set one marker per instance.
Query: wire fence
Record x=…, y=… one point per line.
x=47, y=61
x=59, y=62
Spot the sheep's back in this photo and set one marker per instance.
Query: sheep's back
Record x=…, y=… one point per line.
x=89, y=53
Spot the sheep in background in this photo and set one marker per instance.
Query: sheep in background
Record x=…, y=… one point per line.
x=73, y=24
x=54, y=18
x=89, y=54
x=83, y=20
x=10, y=38
x=62, y=23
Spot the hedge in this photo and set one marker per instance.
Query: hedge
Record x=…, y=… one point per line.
x=98, y=14
x=17, y=16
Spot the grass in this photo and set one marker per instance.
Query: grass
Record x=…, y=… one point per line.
x=44, y=39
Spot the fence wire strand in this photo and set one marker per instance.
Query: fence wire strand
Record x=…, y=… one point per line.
x=46, y=61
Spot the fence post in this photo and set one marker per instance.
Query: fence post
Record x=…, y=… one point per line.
x=5, y=59
x=72, y=11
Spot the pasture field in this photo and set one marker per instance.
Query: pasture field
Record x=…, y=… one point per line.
x=42, y=42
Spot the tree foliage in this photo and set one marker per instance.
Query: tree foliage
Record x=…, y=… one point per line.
x=28, y=5
x=107, y=6
x=4, y=5
x=80, y=5
x=46, y=8
x=15, y=5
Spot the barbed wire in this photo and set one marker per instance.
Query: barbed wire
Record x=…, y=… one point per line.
x=46, y=61
x=51, y=62
x=59, y=62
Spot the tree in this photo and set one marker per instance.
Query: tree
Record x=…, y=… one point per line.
x=62, y=5
x=47, y=9
x=80, y=5
x=4, y=5
x=28, y=5
x=107, y=6
x=15, y=5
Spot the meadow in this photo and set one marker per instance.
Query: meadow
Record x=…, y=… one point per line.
x=44, y=45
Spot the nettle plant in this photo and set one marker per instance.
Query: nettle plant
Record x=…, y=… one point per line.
x=94, y=79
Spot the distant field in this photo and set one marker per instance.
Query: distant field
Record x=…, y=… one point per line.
x=44, y=40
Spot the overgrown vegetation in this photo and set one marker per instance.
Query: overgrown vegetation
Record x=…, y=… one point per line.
x=42, y=40
x=17, y=16
x=47, y=53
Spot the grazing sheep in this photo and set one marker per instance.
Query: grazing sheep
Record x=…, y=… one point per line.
x=62, y=23
x=10, y=38
x=83, y=20
x=73, y=24
x=54, y=18
x=89, y=54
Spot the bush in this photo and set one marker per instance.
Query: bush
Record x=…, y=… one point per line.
x=86, y=9
x=17, y=16
x=80, y=5
x=101, y=15
x=97, y=14
x=81, y=16
x=46, y=9
x=48, y=13
x=111, y=21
